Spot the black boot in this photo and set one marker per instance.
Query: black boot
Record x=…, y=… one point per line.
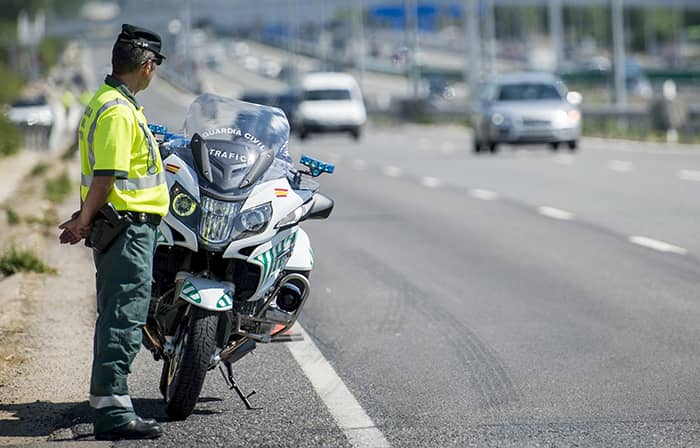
x=138, y=428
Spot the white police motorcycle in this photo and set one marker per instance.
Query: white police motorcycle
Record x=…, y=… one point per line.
x=232, y=264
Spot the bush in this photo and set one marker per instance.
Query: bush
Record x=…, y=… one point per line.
x=10, y=84
x=15, y=260
x=13, y=217
x=39, y=169
x=50, y=50
x=58, y=189
x=10, y=137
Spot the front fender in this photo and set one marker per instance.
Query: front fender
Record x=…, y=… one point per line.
x=205, y=293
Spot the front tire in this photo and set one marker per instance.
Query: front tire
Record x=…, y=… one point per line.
x=184, y=373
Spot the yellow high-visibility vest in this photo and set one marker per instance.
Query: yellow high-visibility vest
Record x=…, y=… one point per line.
x=114, y=140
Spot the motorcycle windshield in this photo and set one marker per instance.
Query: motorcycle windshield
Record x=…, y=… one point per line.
x=236, y=133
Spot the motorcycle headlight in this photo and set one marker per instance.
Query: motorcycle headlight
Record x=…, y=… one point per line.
x=253, y=220
x=218, y=219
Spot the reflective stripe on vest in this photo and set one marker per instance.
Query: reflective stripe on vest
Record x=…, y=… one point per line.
x=152, y=167
x=91, y=133
x=111, y=401
x=132, y=183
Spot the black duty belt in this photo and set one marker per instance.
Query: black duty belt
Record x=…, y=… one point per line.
x=141, y=217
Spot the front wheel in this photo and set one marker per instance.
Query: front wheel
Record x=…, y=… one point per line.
x=184, y=373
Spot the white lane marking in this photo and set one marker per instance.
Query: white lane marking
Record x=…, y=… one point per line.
x=657, y=245
x=360, y=165
x=392, y=171
x=619, y=166
x=485, y=195
x=430, y=182
x=555, y=213
x=689, y=175
x=360, y=430
x=565, y=159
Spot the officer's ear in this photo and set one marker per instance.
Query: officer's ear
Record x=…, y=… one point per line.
x=149, y=65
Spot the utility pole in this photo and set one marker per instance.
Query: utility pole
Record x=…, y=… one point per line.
x=358, y=37
x=411, y=9
x=490, y=31
x=555, y=31
x=472, y=63
x=618, y=34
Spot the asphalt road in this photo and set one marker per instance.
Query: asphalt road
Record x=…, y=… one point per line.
x=523, y=299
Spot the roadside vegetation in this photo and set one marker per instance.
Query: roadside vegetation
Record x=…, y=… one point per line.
x=58, y=189
x=15, y=260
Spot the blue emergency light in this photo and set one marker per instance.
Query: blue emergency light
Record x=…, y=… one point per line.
x=316, y=167
x=163, y=130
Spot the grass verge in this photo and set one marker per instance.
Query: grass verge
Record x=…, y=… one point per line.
x=16, y=260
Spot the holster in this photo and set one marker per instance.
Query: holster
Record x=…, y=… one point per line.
x=106, y=227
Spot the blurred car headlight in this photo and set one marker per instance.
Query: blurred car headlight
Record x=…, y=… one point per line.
x=563, y=119
x=498, y=119
x=574, y=115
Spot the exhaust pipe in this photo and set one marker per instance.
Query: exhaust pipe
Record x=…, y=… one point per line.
x=289, y=297
x=236, y=352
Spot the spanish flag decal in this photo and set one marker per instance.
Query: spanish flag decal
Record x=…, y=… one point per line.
x=172, y=168
x=281, y=192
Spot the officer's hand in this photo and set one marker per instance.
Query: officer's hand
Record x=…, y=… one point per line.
x=67, y=237
x=73, y=231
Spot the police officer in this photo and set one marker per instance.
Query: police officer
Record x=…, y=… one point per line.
x=121, y=165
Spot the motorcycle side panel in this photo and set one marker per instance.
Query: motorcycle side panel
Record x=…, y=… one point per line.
x=207, y=294
x=164, y=236
x=302, y=258
x=189, y=236
x=272, y=257
x=178, y=171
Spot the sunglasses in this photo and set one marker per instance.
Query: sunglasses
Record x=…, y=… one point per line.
x=156, y=61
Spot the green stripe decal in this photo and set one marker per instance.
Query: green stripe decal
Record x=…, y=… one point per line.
x=191, y=292
x=225, y=301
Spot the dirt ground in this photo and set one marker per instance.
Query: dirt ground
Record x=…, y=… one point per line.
x=46, y=320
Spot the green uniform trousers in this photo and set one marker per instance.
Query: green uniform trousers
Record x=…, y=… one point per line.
x=124, y=273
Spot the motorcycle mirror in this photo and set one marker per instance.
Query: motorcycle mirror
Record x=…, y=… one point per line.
x=259, y=167
x=321, y=208
x=201, y=156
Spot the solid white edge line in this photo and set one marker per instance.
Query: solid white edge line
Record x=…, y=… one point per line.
x=555, y=213
x=689, y=175
x=347, y=412
x=661, y=246
x=484, y=195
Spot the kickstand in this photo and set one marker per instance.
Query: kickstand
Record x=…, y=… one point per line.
x=232, y=384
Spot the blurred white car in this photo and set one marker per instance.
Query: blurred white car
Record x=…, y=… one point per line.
x=330, y=102
x=34, y=111
x=524, y=108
